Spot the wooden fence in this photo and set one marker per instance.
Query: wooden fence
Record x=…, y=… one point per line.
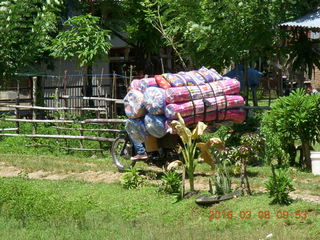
x=60, y=122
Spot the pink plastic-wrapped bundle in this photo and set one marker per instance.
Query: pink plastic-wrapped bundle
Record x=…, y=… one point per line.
x=136, y=84
x=134, y=104
x=148, y=82
x=231, y=115
x=201, y=106
x=209, y=90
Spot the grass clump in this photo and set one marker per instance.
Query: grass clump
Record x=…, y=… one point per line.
x=279, y=187
x=132, y=178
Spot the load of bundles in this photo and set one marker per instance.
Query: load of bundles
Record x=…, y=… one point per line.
x=202, y=95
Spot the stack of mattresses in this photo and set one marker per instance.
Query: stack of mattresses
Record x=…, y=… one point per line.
x=202, y=95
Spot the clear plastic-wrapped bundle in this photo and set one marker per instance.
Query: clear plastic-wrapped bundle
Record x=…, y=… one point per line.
x=202, y=106
x=209, y=90
x=134, y=104
x=154, y=100
x=148, y=82
x=136, y=84
x=136, y=130
x=155, y=125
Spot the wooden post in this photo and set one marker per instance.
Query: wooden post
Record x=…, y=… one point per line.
x=114, y=95
x=130, y=77
x=34, y=102
x=183, y=190
x=81, y=134
x=99, y=90
x=65, y=84
x=17, y=109
x=162, y=67
x=99, y=112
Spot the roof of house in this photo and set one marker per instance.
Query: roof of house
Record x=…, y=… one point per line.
x=311, y=21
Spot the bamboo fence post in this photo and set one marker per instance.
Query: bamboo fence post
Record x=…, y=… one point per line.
x=34, y=102
x=130, y=76
x=113, y=93
x=114, y=96
x=183, y=190
x=65, y=83
x=17, y=109
x=162, y=67
x=99, y=114
x=81, y=134
x=83, y=94
x=57, y=92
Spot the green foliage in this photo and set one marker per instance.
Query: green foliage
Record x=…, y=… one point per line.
x=220, y=32
x=279, y=186
x=189, y=145
x=132, y=178
x=221, y=178
x=171, y=182
x=292, y=118
x=26, y=28
x=83, y=39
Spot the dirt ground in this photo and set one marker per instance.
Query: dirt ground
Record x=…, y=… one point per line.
x=201, y=183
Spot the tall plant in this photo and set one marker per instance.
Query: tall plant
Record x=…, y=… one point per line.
x=189, y=140
x=83, y=39
x=26, y=28
x=292, y=118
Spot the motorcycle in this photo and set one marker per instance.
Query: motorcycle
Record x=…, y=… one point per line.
x=122, y=150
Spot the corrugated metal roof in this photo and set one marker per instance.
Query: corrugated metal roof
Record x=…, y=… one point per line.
x=311, y=21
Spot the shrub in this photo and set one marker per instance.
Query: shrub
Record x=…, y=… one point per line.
x=279, y=187
x=221, y=178
x=171, y=182
x=292, y=118
x=132, y=179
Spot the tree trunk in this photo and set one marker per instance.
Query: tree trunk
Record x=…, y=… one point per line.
x=89, y=90
x=306, y=153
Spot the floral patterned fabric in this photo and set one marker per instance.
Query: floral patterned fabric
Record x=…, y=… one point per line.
x=155, y=125
x=134, y=104
x=188, y=93
x=136, y=130
x=154, y=100
x=203, y=106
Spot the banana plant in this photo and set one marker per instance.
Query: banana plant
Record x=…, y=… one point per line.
x=189, y=147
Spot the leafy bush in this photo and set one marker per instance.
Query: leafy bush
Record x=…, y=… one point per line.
x=132, y=179
x=222, y=179
x=279, y=187
x=292, y=118
x=171, y=182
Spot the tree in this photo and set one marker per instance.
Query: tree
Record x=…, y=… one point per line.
x=293, y=118
x=85, y=40
x=216, y=33
x=26, y=27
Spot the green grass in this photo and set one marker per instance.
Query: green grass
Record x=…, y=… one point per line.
x=58, y=164
x=116, y=213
